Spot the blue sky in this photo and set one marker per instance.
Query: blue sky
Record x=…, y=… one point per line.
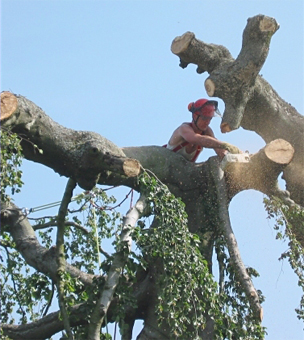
x=106, y=66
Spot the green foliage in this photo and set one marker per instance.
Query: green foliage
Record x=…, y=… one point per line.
x=24, y=291
x=289, y=222
x=236, y=321
x=188, y=290
x=11, y=157
x=187, y=287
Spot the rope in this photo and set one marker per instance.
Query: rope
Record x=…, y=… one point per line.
x=27, y=211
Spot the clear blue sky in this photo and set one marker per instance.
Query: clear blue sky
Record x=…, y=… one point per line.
x=106, y=66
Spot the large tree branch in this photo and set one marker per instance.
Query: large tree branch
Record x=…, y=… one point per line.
x=35, y=255
x=262, y=171
x=80, y=155
x=185, y=179
x=250, y=101
x=232, y=80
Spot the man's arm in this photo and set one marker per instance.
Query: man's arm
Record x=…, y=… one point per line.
x=220, y=152
x=206, y=141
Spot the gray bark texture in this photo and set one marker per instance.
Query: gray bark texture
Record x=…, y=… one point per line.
x=90, y=159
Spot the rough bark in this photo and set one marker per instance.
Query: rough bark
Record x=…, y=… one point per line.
x=250, y=102
x=90, y=159
x=79, y=155
x=169, y=167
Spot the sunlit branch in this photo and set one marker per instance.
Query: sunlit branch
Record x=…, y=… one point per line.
x=119, y=260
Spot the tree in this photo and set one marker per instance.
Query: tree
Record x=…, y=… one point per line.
x=172, y=275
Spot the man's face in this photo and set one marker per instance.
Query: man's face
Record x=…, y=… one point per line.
x=203, y=122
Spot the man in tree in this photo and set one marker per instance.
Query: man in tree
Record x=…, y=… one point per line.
x=189, y=139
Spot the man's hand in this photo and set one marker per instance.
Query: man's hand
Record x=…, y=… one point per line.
x=231, y=148
x=221, y=153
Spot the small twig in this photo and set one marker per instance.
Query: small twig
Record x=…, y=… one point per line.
x=41, y=218
x=80, y=208
x=50, y=301
x=55, y=224
x=103, y=252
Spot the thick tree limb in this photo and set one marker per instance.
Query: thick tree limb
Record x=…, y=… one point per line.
x=250, y=101
x=47, y=326
x=169, y=166
x=115, y=271
x=232, y=80
x=29, y=247
x=75, y=154
x=225, y=227
x=262, y=171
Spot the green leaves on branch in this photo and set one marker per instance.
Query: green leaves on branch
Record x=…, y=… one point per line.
x=289, y=224
x=187, y=289
x=188, y=293
x=11, y=157
x=236, y=320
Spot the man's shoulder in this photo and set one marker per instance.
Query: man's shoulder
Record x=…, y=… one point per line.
x=209, y=131
x=186, y=124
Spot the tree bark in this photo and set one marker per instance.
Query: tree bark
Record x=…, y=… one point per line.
x=116, y=269
x=90, y=159
x=250, y=102
x=225, y=227
x=79, y=155
x=40, y=258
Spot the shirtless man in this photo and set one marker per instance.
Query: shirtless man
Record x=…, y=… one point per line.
x=189, y=139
